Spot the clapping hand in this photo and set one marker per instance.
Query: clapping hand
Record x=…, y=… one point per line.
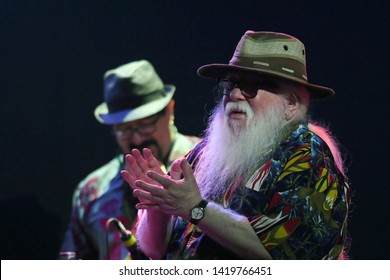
x=173, y=194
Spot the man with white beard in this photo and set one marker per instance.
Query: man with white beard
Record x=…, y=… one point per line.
x=265, y=183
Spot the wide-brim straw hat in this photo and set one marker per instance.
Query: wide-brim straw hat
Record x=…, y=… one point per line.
x=269, y=55
x=133, y=91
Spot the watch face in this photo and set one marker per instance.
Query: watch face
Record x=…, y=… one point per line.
x=197, y=213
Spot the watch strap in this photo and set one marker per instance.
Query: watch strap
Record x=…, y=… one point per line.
x=202, y=204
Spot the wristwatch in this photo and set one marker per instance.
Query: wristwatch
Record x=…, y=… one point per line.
x=197, y=213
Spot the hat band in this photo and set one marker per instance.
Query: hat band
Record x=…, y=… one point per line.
x=127, y=103
x=280, y=66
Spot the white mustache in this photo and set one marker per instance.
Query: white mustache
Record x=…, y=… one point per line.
x=242, y=107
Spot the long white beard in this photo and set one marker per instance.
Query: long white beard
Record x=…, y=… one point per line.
x=234, y=152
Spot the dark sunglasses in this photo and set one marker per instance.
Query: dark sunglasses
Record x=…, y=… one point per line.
x=248, y=88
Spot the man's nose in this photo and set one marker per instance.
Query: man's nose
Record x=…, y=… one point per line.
x=136, y=138
x=236, y=94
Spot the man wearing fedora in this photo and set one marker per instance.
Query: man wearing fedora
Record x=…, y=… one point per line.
x=265, y=183
x=140, y=109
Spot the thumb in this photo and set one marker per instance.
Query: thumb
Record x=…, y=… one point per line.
x=186, y=169
x=175, y=171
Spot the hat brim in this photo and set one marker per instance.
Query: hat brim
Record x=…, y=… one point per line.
x=103, y=116
x=220, y=71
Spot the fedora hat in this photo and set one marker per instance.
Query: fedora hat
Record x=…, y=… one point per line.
x=132, y=91
x=269, y=55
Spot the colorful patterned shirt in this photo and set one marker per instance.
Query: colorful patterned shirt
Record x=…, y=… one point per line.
x=103, y=195
x=297, y=204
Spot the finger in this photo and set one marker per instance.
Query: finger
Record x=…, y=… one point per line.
x=153, y=163
x=154, y=203
x=147, y=205
x=142, y=163
x=187, y=170
x=162, y=179
x=128, y=178
x=152, y=190
x=146, y=197
x=132, y=166
x=175, y=171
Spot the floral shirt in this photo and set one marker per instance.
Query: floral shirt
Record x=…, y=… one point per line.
x=103, y=195
x=297, y=204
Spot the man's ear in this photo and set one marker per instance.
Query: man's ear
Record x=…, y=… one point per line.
x=292, y=107
x=171, y=111
x=171, y=106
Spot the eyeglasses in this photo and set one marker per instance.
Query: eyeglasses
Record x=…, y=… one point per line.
x=144, y=128
x=248, y=88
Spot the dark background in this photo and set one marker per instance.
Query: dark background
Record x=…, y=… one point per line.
x=54, y=54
